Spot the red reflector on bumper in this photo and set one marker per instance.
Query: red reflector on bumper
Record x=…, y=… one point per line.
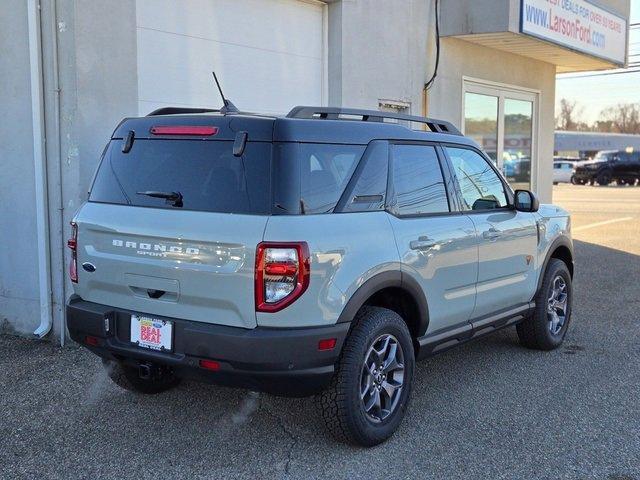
x=93, y=341
x=327, y=344
x=209, y=365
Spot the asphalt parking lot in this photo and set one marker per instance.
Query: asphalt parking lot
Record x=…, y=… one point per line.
x=489, y=409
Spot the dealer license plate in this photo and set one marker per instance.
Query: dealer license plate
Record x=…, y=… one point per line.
x=151, y=333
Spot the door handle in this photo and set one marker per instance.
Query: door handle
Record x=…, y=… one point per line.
x=491, y=234
x=422, y=243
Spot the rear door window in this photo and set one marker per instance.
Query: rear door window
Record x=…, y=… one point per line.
x=206, y=174
x=418, y=184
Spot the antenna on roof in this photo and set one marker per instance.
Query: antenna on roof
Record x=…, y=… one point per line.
x=228, y=106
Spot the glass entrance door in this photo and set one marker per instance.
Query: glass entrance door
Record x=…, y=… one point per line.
x=502, y=120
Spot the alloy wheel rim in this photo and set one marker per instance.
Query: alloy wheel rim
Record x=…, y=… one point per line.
x=557, y=304
x=382, y=378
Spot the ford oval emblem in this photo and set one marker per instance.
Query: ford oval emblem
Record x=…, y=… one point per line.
x=89, y=267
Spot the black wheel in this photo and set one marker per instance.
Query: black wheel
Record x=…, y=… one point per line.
x=555, y=183
x=604, y=178
x=158, y=379
x=369, y=393
x=574, y=180
x=547, y=326
x=591, y=182
x=621, y=182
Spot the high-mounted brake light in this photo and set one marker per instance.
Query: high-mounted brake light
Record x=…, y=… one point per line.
x=282, y=274
x=72, y=243
x=192, y=130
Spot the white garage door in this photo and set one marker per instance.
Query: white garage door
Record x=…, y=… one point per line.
x=268, y=54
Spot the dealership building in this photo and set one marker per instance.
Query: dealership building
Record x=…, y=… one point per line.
x=72, y=69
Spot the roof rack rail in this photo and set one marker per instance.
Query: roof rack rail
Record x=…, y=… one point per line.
x=178, y=110
x=337, y=113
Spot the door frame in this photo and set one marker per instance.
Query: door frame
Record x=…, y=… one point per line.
x=506, y=91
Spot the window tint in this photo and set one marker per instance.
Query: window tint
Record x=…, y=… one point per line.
x=417, y=181
x=368, y=194
x=480, y=185
x=205, y=173
x=325, y=171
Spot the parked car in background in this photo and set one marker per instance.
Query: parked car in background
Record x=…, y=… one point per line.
x=517, y=169
x=562, y=171
x=607, y=166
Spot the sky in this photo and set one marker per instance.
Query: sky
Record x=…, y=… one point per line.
x=594, y=94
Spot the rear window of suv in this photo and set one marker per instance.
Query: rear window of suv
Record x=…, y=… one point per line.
x=205, y=173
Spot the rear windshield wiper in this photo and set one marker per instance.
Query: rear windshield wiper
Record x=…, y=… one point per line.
x=173, y=197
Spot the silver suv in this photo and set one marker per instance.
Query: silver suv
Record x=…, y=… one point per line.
x=319, y=253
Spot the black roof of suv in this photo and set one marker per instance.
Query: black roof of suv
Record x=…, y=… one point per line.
x=338, y=125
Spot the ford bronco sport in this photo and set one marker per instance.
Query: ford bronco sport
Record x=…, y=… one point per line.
x=319, y=253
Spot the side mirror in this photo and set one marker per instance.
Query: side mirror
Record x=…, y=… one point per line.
x=526, y=201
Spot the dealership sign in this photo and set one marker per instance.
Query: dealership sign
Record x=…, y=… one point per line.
x=578, y=25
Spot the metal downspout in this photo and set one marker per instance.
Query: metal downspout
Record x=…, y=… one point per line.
x=56, y=120
x=40, y=168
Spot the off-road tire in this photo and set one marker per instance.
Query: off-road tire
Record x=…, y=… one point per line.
x=604, y=178
x=340, y=405
x=534, y=332
x=127, y=377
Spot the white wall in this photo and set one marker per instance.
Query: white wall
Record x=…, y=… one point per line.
x=380, y=49
x=268, y=55
x=19, y=289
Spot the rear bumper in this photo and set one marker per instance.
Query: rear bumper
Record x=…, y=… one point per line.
x=282, y=361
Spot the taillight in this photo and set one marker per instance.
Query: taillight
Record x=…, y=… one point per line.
x=72, y=243
x=282, y=274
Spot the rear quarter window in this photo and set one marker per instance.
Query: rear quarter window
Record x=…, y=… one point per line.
x=205, y=173
x=325, y=170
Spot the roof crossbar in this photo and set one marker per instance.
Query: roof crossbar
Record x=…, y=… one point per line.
x=337, y=113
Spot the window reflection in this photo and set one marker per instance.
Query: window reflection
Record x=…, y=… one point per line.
x=516, y=154
x=481, y=121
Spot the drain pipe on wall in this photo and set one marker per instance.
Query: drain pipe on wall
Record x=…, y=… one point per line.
x=40, y=167
x=429, y=83
x=58, y=152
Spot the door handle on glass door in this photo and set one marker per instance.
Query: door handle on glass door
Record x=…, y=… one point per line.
x=491, y=234
x=422, y=243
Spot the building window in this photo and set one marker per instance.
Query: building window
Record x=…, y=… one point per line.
x=502, y=120
x=481, y=121
x=516, y=151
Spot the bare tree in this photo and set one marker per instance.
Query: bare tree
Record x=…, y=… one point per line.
x=567, y=118
x=622, y=118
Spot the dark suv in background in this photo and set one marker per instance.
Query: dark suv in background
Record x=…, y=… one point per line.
x=620, y=166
